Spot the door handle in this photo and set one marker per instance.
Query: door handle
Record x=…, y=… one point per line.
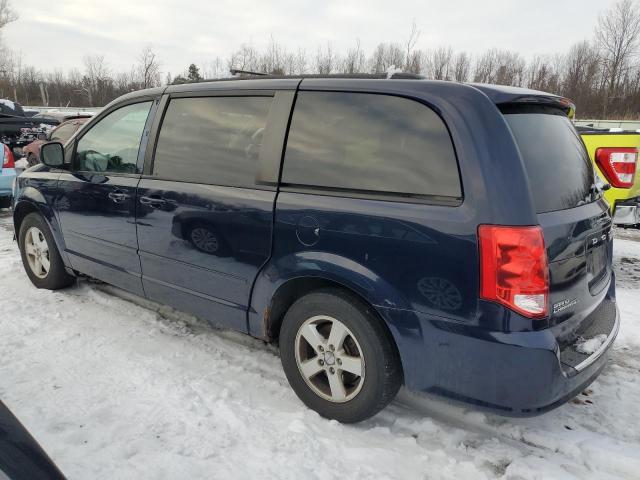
x=117, y=196
x=153, y=201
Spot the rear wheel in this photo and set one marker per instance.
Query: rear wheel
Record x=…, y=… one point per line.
x=338, y=356
x=40, y=256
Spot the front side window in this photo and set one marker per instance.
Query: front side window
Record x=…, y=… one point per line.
x=112, y=144
x=213, y=140
x=370, y=143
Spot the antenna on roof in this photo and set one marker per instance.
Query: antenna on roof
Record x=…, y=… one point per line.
x=235, y=71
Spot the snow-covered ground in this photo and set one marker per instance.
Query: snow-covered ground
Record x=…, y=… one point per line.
x=115, y=390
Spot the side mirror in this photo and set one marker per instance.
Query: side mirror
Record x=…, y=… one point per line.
x=52, y=154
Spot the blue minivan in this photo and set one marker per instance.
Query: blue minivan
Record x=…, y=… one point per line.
x=382, y=231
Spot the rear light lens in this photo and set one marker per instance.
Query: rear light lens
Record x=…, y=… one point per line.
x=514, y=269
x=618, y=165
x=8, y=161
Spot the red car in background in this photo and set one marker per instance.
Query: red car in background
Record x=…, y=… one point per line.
x=61, y=133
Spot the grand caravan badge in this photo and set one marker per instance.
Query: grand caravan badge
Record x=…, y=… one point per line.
x=564, y=304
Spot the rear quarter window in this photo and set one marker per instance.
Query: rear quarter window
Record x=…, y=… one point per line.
x=555, y=159
x=370, y=143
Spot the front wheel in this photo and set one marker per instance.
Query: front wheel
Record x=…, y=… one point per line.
x=338, y=356
x=40, y=256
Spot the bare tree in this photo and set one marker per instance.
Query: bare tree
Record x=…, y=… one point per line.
x=411, y=60
x=326, y=60
x=461, y=67
x=500, y=66
x=245, y=58
x=439, y=63
x=385, y=56
x=600, y=76
x=511, y=67
x=7, y=14
x=148, y=69
x=96, y=79
x=214, y=69
x=273, y=60
x=616, y=35
x=354, y=60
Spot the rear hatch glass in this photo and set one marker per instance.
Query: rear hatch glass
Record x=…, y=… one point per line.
x=560, y=172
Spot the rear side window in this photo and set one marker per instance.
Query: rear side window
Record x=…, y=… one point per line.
x=213, y=140
x=370, y=143
x=555, y=159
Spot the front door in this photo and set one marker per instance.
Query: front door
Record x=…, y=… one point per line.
x=97, y=197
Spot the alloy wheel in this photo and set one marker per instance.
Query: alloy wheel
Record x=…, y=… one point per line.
x=37, y=250
x=329, y=358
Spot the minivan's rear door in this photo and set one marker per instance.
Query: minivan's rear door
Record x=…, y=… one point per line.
x=575, y=221
x=204, y=211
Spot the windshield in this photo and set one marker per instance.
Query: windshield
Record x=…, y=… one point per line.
x=560, y=172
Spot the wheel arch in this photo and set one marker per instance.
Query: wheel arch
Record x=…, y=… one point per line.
x=32, y=201
x=278, y=287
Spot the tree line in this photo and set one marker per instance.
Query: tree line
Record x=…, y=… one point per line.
x=601, y=75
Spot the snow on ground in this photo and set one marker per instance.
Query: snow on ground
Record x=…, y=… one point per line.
x=115, y=390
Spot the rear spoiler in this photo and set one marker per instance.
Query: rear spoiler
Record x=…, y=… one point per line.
x=513, y=99
x=539, y=103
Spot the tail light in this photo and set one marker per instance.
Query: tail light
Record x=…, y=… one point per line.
x=514, y=269
x=9, y=161
x=618, y=165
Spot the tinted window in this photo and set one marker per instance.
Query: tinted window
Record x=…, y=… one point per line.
x=214, y=140
x=560, y=172
x=112, y=144
x=370, y=142
x=63, y=132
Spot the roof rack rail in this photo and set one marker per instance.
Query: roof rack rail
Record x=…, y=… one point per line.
x=236, y=71
x=248, y=75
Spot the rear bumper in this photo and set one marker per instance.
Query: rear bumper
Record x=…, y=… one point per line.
x=627, y=213
x=513, y=374
x=6, y=181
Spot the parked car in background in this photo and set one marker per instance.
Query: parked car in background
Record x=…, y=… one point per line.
x=615, y=157
x=381, y=231
x=61, y=133
x=16, y=130
x=7, y=175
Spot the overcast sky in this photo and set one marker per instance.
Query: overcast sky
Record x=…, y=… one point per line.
x=57, y=34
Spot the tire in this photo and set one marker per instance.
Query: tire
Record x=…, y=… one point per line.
x=367, y=339
x=33, y=230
